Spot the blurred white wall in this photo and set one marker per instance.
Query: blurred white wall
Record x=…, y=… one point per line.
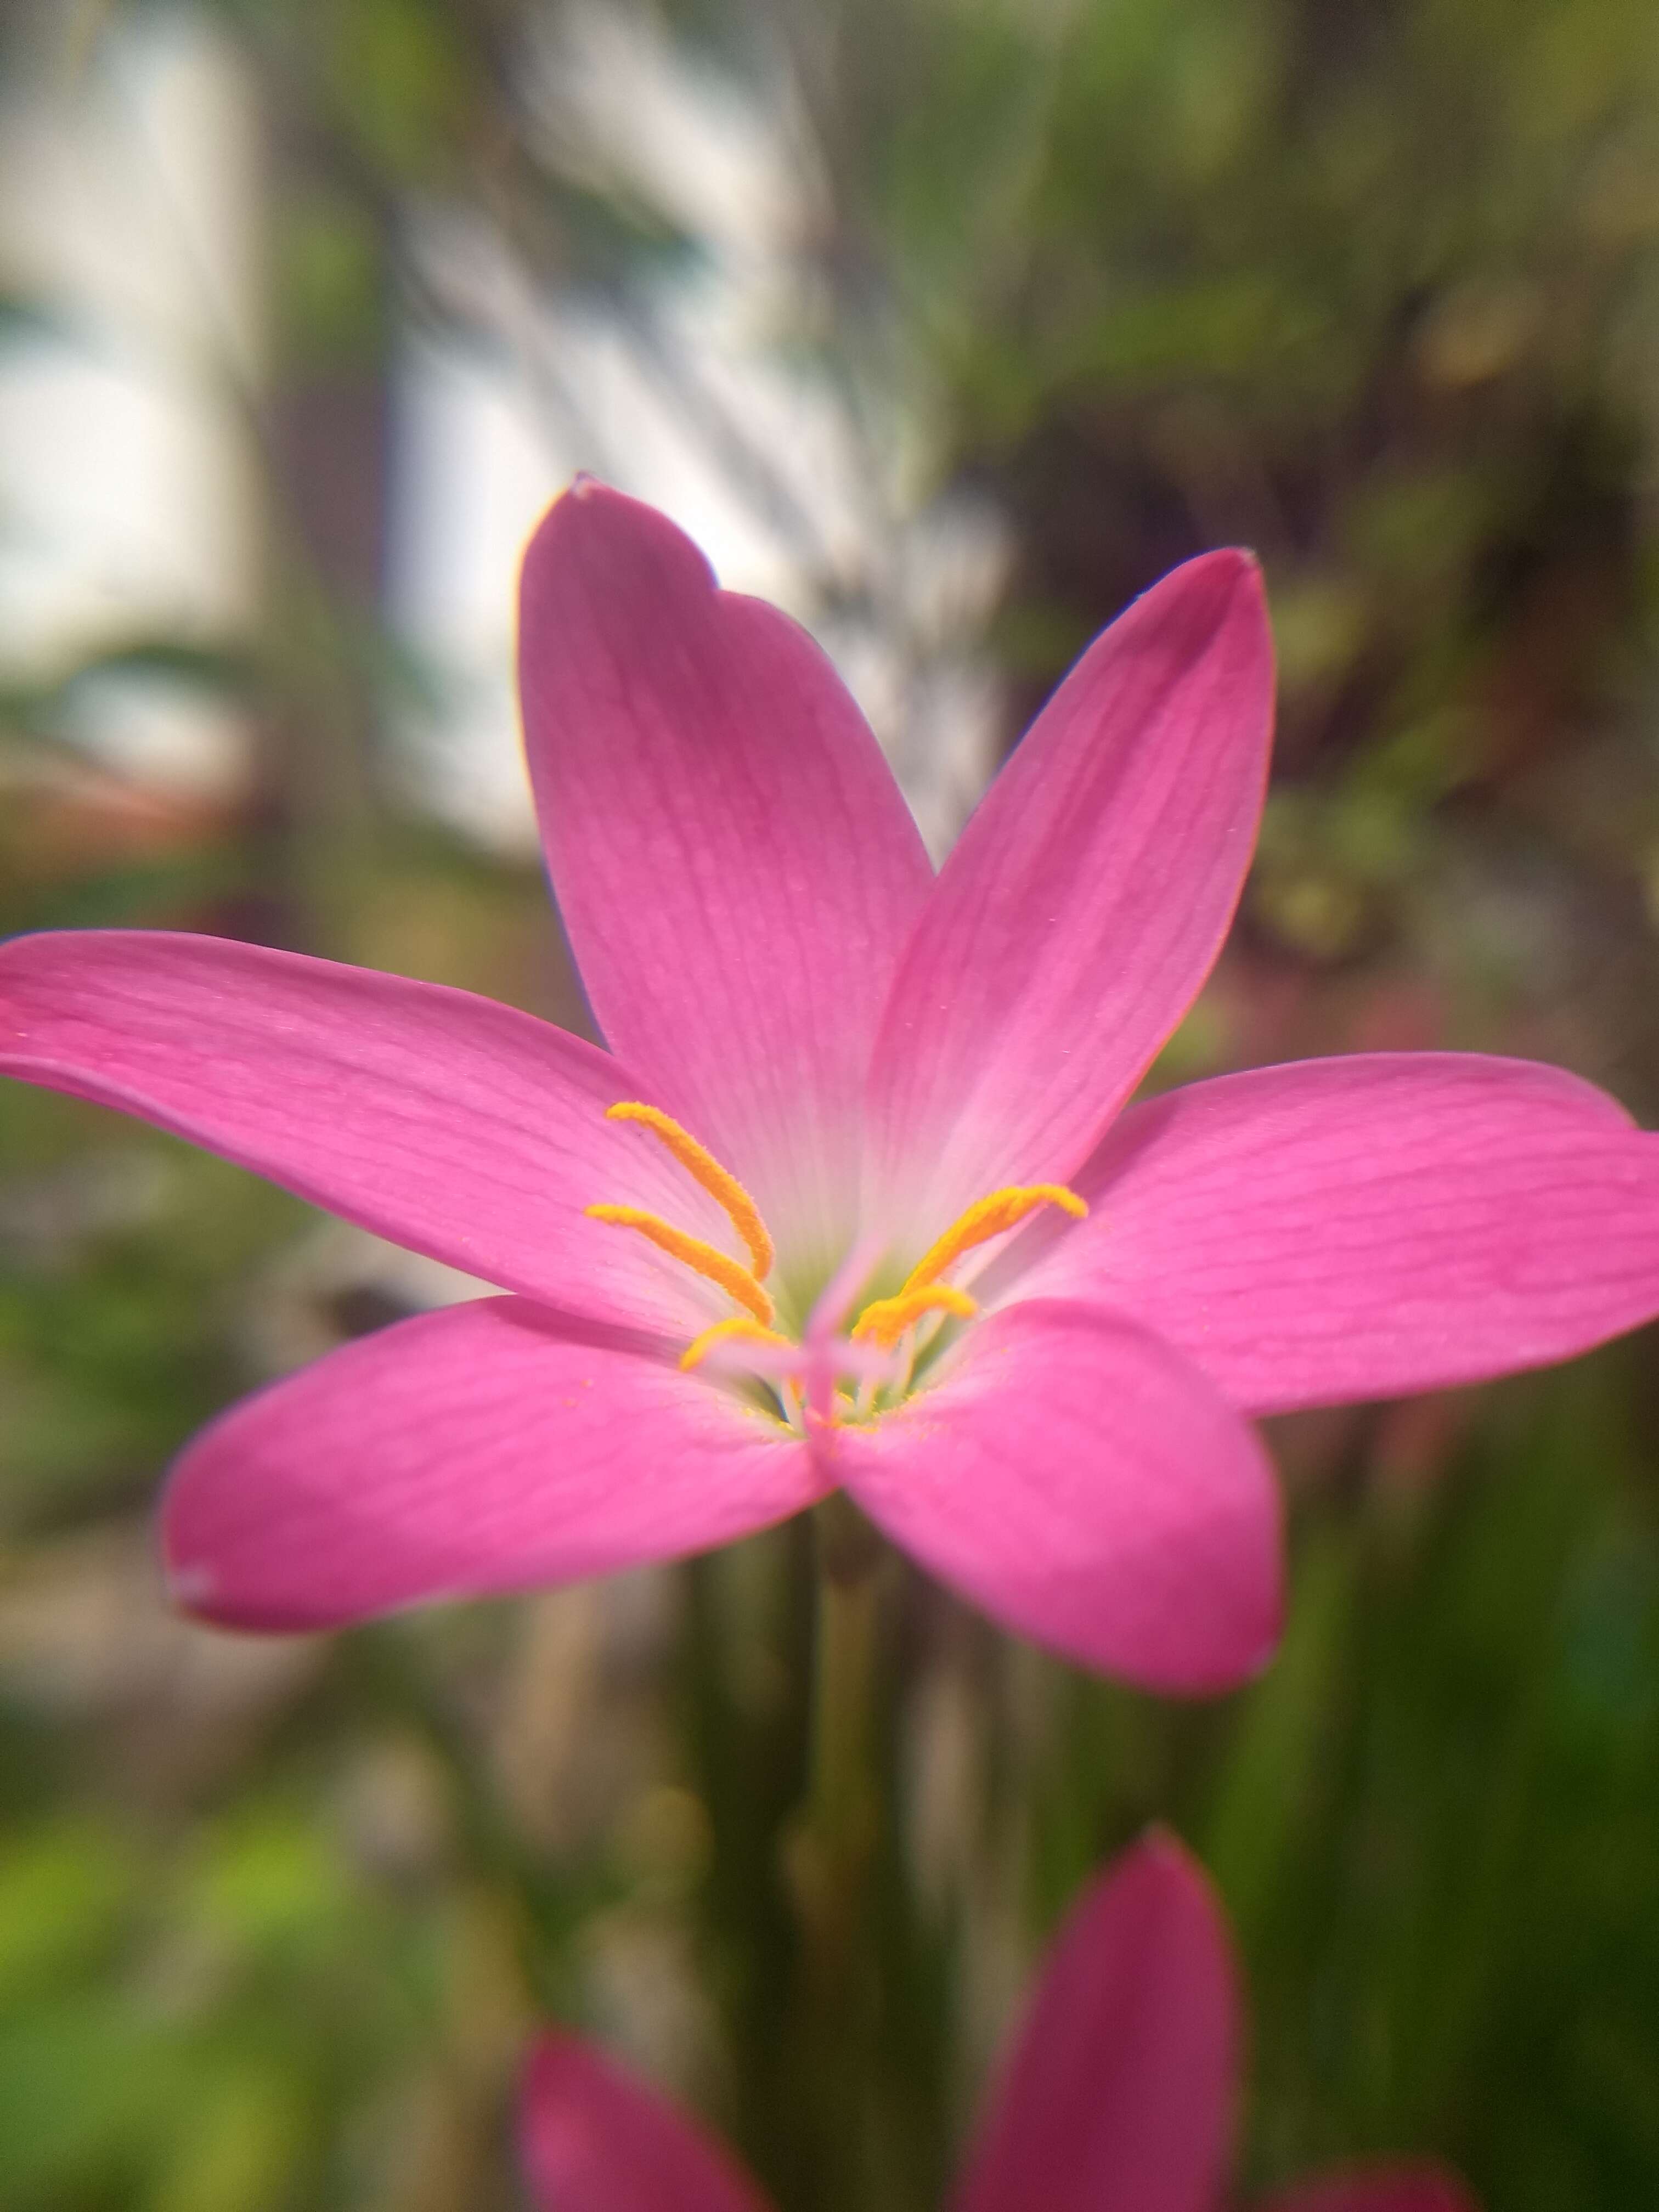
x=130, y=503
x=128, y=500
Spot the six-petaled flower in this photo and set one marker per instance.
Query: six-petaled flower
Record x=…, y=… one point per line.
x=855, y=1196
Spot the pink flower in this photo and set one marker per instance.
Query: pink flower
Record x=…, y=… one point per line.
x=852, y=1198
x=1117, y=2095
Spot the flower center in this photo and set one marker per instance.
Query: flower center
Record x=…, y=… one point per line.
x=882, y=1322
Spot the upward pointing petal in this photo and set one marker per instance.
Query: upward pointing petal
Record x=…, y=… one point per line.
x=1118, y=2095
x=732, y=858
x=1086, y=899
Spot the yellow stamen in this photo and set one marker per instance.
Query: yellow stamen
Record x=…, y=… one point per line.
x=887, y=1319
x=739, y=1326
x=987, y=1218
x=724, y=1189
x=719, y=1267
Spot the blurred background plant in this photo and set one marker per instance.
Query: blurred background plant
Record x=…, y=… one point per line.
x=950, y=324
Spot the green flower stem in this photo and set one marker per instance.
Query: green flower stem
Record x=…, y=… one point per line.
x=841, y=1796
x=830, y=1852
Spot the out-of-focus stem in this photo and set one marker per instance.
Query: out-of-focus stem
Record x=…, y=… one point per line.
x=841, y=1805
x=831, y=1850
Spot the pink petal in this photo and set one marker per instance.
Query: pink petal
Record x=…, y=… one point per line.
x=1088, y=1488
x=1359, y=1228
x=466, y=1452
x=442, y=1121
x=594, y=2140
x=1086, y=899
x=734, y=864
x=1118, y=2096
x=1378, y=2189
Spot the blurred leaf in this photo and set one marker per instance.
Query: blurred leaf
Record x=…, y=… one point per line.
x=245, y=2136
x=65, y=1890
x=86, y=2090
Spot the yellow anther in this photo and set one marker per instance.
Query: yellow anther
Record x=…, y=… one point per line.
x=739, y=1329
x=719, y=1267
x=724, y=1189
x=887, y=1319
x=987, y=1218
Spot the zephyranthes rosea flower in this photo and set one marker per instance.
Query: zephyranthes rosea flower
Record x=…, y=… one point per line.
x=852, y=1197
x=1117, y=2095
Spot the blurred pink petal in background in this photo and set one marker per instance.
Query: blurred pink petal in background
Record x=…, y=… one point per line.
x=1117, y=2095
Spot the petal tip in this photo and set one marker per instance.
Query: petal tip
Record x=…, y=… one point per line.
x=1160, y=1857
x=189, y=1581
x=195, y=1589
x=1166, y=1872
x=1215, y=601
x=1224, y=569
x=1237, y=1655
x=196, y=1584
x=588, y=502
x=1159, y=1843
x=1236, y=573
x=622, y=545
x=197, y=1592
x=542, y=2059
x=190, y=1587
x=1249, y=1597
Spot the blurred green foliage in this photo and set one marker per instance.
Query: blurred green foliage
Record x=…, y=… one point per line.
x=1371, y=284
